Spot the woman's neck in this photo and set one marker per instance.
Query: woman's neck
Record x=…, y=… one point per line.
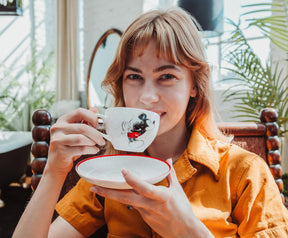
x=170, y=144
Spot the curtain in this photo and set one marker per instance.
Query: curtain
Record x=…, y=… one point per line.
x=67, y=45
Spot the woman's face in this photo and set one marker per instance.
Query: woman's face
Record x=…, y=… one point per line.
x=158, y=85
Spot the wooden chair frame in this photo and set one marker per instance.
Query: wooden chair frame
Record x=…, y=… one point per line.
x=260, y=138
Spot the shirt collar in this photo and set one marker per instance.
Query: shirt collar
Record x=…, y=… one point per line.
x=203, y=150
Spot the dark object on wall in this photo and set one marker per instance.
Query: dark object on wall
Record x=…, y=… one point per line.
x=209, y=14
x=8, y=8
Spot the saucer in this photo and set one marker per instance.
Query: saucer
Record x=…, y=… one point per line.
x=105, y=170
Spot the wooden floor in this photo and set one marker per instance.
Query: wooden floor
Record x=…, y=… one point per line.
x=15, y=198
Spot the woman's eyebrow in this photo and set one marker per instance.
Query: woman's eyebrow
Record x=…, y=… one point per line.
x=133, y=69
x=161, y=68
x=168, y=66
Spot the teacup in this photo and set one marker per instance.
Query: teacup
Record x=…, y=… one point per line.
x=130, y=129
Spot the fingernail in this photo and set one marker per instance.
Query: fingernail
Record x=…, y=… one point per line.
x=124, y=172
x=102, y=142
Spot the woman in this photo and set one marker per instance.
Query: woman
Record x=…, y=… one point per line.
x=215, y=189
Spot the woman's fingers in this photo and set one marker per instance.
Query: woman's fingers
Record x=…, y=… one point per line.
x=172, y=177
x=94, y=109
x=140, y=186
x=79, y=115
x=80, y=150
x=140, y=196
x=125, y=196
x=146, y=189
x=74, y=140
x=79, y=131
x=142, y=193
x=70, y=139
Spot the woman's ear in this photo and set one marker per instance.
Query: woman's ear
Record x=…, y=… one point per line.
x=193, y=92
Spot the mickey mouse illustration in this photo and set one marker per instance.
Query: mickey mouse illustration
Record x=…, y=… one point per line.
x=137, y=128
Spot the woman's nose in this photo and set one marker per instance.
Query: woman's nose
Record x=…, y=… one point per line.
x=149, y=94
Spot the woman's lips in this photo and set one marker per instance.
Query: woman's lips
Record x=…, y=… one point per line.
x=162, y=114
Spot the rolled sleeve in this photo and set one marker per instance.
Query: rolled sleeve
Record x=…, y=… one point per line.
x=259, y=211
x=82, y=209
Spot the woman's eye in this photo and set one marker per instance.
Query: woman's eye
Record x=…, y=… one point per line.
x=167, y=77
x=133, y=76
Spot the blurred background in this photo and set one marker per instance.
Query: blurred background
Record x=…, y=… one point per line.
x=54, y=55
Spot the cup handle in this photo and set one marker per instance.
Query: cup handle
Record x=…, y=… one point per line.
x=104, y=135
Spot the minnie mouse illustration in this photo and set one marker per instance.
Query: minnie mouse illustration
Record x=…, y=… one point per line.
x=135, y=129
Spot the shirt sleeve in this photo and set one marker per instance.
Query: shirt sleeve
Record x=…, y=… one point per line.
x=259, y=211
x=82, y=209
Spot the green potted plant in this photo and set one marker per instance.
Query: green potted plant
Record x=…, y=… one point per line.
x=258, y=85
x=17, y=102
x=6, y=95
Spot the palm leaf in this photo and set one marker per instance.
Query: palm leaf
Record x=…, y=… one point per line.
x=275, y=25
x=261, y=85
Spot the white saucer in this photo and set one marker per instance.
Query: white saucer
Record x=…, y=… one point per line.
x=105, y=170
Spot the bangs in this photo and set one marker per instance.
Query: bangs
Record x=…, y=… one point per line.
x=167, y=45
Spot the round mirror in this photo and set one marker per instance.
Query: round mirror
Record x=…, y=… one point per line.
x=101, y=59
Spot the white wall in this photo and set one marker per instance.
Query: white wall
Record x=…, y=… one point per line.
x=101, y=15
x=224, y=109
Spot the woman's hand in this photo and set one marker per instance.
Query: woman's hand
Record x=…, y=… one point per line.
x=70, y=139
x=166, y=210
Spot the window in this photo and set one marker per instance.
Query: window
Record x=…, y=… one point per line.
x=27, y=43
x=19, y=34
x=214, y=45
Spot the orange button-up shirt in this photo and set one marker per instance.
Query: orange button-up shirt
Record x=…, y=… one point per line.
x=232, y=192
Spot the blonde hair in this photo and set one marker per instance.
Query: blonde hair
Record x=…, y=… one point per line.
x=178, y=40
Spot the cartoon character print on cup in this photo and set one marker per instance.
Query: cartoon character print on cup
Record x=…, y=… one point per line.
x=130, y=129
x=136, y=128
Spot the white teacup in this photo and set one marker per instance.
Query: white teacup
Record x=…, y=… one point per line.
x=130, y=129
